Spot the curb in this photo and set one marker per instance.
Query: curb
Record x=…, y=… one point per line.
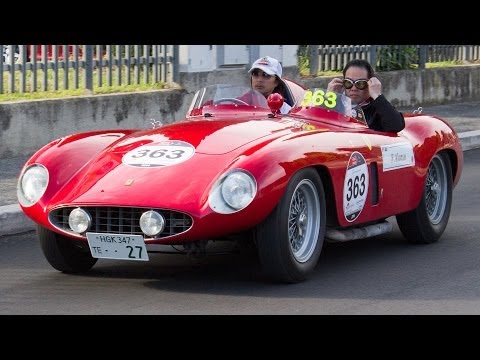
x=14, y=221
x=470, y=139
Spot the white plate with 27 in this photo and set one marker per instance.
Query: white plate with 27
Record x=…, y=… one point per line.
x=117, y=246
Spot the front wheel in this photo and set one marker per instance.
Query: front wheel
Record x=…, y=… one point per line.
x=290, y=239
x=64, y=254
x=426, y=223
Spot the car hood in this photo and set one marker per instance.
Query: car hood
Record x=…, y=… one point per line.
x=215, y=136
x=134, y=172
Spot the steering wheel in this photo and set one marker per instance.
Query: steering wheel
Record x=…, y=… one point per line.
x=231, y=100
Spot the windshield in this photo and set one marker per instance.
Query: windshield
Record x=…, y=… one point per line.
x=321, y=98
x=227, y=94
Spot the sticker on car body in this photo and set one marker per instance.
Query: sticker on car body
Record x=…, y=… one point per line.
x=164, y=153
x=355, y=187
x=397, y=156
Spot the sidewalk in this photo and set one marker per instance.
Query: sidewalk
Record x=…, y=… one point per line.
x=464, y=118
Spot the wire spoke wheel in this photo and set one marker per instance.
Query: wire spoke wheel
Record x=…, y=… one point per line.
x=304, y=221
x=436, y=190
x=426, y=223
x=290, y=240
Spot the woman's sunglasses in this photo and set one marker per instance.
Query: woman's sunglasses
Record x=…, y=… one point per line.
x=360, y=84
x=257, y=72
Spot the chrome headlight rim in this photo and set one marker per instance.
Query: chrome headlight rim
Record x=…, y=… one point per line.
x=30, y=200
x=149, y=227
x=217, y=198
x=82, y=215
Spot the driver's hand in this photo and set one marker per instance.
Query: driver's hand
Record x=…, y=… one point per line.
x=374, y=87
x=335, y=85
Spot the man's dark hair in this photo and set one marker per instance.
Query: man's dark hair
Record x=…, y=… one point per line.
x=360, y=63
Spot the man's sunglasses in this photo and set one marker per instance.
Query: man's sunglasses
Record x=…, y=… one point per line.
x=360, y=84
x=257, y=72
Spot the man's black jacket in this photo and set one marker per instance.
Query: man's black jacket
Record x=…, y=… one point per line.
x=382, y=116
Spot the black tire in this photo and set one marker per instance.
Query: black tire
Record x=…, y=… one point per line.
x=426, y=223
x=290, y=239
x=64, y=254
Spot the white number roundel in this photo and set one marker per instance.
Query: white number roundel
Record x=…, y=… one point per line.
x=164, y=153
x=355, y=188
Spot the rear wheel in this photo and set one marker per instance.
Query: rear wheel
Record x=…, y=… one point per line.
x=63, y=253
x=290, y=239
x=426, y=223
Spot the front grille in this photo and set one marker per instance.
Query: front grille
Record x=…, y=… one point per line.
x=122, y=220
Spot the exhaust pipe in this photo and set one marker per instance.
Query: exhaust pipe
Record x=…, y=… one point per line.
x=358, y=232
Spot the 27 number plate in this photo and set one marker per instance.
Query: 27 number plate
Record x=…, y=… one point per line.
x=117, y=246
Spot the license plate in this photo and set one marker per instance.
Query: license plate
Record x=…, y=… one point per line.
x=117, y=246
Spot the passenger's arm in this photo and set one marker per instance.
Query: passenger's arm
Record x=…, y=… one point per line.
x=387, y=116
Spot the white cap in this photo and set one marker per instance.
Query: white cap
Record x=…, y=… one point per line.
x=269, y=65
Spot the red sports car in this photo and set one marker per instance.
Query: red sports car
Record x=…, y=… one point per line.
x=235, y=168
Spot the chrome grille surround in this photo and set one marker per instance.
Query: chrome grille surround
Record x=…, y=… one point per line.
x=121, y=220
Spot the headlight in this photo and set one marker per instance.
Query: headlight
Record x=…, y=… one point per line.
x=32, y=184
x=233, y=192
x=152, y=223
x=79, y=220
